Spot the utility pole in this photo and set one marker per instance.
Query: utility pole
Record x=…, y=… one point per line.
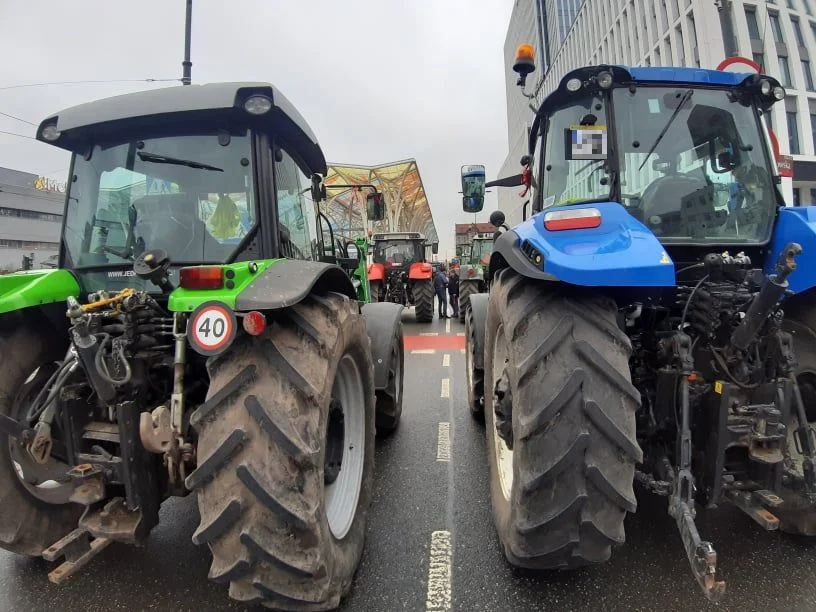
x=187, y=65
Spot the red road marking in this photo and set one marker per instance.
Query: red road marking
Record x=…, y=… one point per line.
x=414, y=343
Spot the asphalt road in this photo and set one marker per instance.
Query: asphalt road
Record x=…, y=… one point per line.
x=431, y=541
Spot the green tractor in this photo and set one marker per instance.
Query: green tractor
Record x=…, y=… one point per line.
x=198, y=336
x=473, y=271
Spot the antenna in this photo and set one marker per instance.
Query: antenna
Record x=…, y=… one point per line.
x=187, y=65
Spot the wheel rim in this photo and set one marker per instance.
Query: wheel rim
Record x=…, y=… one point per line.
x=503, y=455
x=342, y=495
x=48, y=482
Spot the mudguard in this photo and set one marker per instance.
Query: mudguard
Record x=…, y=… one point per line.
x=290, y=281
x=478, y=306
x=36, y=288
x=796, y=224
x=420, y=271
x=620, y=252
x=376, y=272
x=382, y=320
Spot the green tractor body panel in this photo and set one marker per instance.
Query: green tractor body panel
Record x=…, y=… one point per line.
x=36, y=288
x=361, y=273
x=237, y=277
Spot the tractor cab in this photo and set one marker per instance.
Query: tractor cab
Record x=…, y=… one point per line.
x=205, y=175
x=478, y=254
x=398, y=250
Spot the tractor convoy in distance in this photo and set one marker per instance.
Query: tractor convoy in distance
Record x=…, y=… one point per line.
x=644, y=318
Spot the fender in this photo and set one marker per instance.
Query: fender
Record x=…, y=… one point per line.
x=36, y=288
x=795, y=224
x=478, y=306
x=376, y=272
x=420, y=271
x=289, y=281
x=382, y=319
x=620, y=252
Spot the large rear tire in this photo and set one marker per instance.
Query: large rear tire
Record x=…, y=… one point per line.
x=286, y=457
x=466, y=289
x=423, y=300
x=559, y=359
x=475, y=375
x=801, y=323
x=28, y=522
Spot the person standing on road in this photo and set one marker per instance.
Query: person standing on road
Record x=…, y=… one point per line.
x=453, y=292
x=440, y=285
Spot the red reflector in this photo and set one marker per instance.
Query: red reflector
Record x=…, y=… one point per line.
x=579, y=218
x=202, y=277
x=254, y=323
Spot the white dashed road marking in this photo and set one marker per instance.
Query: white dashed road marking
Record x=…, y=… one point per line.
x=447, y=326
x=443, y=445
x=428, y=333
x=446, y=360
x=445, y=387
x=460, y=333
x=439, y=573
x=423, y=351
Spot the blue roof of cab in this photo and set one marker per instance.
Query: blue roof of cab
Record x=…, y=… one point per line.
x=698, y=76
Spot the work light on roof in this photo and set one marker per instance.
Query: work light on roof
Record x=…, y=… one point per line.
x=765, y=87
x=778, y=92
x=50, y=133
x=573, y=85
x=605, y=80
x=257, y=105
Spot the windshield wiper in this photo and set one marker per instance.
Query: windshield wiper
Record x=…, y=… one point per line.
x=662, y=133
x=164, y=159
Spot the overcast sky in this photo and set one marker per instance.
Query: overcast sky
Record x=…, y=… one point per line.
x=378, y=80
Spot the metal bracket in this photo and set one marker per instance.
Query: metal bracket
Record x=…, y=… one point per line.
x=78, y=548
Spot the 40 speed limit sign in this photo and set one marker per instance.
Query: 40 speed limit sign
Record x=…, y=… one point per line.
x=211, y=328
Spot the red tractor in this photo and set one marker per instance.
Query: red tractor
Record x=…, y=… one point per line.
x=400, y=272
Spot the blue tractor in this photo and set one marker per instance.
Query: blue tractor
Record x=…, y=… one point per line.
x=650, y=322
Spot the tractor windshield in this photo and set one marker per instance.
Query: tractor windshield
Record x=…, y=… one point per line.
x=191, y=196
x=398, y=252
x=693, y=166
x=480, y=251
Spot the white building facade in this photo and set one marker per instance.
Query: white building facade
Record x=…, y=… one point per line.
x=780, y=35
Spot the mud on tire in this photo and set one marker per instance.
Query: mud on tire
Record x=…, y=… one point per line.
x=466, y=289
x=27, y=525
x=424, y=300
x=573, y=416
x=261, y=453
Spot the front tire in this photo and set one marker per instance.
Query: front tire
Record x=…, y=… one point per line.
x=423, y=292
x=475, y=375
x=286, y=457
x=466, y=289
x=389, y=400
x=556, y=367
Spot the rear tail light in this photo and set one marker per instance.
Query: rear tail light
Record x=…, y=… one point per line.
x=202, y=277
x=570, y=219
x=254, y=323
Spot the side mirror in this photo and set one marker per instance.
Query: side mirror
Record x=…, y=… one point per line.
x=375, y=207
x=473, y=188
x=435, y=248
